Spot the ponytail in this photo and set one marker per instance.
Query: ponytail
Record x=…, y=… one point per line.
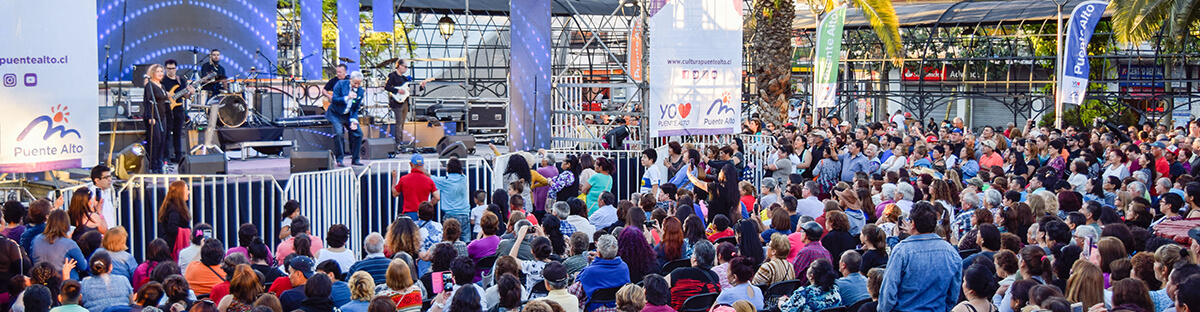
x=1036, y=262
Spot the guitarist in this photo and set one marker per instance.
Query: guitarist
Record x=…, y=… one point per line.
x=328, y=90
x=395, y=81
x=177, y=116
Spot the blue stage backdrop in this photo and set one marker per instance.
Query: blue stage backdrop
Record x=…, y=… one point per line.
x=348, y=22
x=311, y=14
x=382, y=16
x=152, y=31
x=529, y=108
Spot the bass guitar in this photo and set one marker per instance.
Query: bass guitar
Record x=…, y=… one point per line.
x=176, y=97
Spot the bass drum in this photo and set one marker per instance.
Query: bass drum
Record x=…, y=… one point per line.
x=232, y=110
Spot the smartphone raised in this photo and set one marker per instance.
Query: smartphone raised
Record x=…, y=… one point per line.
x=442, y=281
x=1077, y=307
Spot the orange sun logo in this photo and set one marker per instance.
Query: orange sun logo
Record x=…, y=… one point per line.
x=60, y=113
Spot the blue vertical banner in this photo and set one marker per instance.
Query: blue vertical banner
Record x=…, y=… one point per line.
x=383, y=18
x=348, y=42
x=310, y=39
x=529, y=79
x=1074, y=67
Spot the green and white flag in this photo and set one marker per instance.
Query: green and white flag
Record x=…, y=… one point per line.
x=826, y=57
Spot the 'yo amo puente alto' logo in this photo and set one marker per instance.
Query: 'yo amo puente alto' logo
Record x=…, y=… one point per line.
x=59, y=114
x=677, y=113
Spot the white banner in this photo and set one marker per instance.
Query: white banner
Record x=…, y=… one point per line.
x=48, y=93
x=695, y=72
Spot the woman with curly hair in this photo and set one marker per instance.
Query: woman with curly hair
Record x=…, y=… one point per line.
x=402, y=235
x=637, y=253
x=362, y=290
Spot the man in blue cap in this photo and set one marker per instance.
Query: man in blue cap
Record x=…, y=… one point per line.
x=300, y=269
x=415, y=187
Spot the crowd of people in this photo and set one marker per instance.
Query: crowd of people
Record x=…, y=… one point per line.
x=886, y=216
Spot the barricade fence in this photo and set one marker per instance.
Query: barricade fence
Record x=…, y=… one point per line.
x=360, y=200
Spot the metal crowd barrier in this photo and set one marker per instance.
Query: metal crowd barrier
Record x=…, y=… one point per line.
x=224, y=201
x=327, y=198
x=380, y=208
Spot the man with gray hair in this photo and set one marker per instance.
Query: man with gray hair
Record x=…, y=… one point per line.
x=343, y=116
x=375, y=263
x=562, y=210
x=698, y=279
x=606, y=271
x=962, y=221
x=904, y=196
x=810, y=205
x=770, y=193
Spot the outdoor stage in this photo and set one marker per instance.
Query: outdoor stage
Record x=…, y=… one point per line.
x=280, y=167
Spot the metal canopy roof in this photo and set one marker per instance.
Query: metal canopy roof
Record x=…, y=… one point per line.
x=952, y=13
x=501, y=7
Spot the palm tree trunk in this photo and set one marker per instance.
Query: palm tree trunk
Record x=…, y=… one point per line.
x=772, y=52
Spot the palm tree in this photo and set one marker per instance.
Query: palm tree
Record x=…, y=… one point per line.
x=1142, y=20
x=771, y=44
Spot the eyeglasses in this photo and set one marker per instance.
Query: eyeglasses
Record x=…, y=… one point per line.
x=106, y=177
x=170, y=68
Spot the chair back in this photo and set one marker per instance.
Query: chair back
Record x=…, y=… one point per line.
x=834, y=309
x=675, y=264
x=603, y=296
x=699, y=303
x=857, y=305
x=728, y=239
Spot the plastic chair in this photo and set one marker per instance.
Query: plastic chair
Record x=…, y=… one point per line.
x=603, y=296
x=854, y=307
x=699, y=303
x=675, y=264
x=834, y=309
x=728, y=239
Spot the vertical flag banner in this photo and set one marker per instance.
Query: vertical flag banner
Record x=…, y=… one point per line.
x=48, y=64
x=636, y=47
x=348, y=41
x=1074, y=68
x=383, y=19
x=695, y=68
x=826, y=58
x=310, y=38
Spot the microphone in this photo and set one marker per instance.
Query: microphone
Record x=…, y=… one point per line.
x=106, y=47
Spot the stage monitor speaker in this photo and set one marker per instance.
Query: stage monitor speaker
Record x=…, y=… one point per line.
x=306, y=161
x=456, y=149
x=378, y=148
x=139, y=75
x=269, y=104
x=468, y=142
x=204, y=164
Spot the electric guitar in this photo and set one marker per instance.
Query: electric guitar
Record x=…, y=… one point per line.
x=175, y=97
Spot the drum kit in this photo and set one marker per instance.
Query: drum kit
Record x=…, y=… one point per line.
x=229, y=108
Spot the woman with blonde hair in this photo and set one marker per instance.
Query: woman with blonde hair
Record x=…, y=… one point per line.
x=1051, y=200
x=155, y=112
x=116, y=243
x=175, y=217
x=1086, y=283
x=631, y=298
x=401, y=288
x=777, y=268
x=244, y=289
x=362, y=290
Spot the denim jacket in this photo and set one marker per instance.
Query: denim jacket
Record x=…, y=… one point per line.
x=923, y=274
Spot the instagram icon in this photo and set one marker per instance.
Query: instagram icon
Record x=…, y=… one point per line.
x=10, y=80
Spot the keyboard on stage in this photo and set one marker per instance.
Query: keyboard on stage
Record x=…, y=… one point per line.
x=303, y=121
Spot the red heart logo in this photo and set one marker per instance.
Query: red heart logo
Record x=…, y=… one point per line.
x=684, y=109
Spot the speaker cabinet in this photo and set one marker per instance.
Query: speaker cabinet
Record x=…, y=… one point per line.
x=468, y=142
x=270, y=104
x=456, y=149
x=306, y=161
x=378, y=148
x=204, y=164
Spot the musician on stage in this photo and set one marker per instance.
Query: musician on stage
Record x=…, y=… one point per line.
x=343, y=116
x=340, y=74
x=153, y=113
x=213, y=66
x=177, y=116
x=395, y=81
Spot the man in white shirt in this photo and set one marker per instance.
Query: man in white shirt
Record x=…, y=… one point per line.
x=898, y=119
x=810, y=205
x=653, y=177
x=607, y=214
x=102, y=185
x=579, y=220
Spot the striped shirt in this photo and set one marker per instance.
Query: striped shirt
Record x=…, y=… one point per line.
x=374, y=264
x=774, y=271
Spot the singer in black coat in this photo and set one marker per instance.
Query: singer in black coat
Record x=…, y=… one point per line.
x=154, y=112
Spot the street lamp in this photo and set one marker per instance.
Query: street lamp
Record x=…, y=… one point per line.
x=629, y=3
x=446, y=27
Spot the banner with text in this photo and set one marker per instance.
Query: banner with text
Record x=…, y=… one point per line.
x=695, y=68
x=48, y=63
x=1075, y=67
x=827, y=57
